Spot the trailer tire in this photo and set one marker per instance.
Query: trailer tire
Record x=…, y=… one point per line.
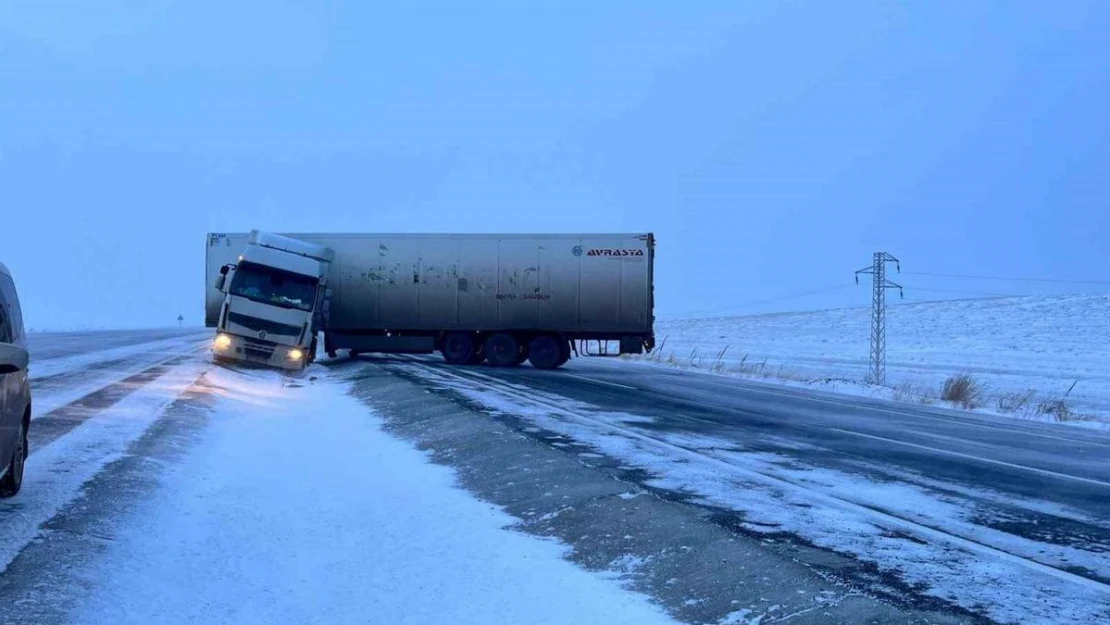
x=458, y=348
x=544, y=352
x=564, y=352
x=502, y=349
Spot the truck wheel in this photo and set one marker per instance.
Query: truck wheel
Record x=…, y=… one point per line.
x=502, y=349
x=458, y=348
x=544, y=352
x=564, y=352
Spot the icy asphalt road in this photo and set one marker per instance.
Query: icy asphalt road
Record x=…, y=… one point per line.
x=163, y=489
x=50, y=345
x=724, y=501
x=1020, y=458
x=1006, y=519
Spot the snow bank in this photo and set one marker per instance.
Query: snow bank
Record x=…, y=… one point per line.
x=297, y=508
x=1011, y=345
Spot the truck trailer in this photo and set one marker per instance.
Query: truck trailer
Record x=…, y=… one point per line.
x=500, y=298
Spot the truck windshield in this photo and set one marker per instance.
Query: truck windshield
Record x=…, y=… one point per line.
x=274, y=286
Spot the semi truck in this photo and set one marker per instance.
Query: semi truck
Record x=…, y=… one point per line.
x=499, y=298
x=268, y=300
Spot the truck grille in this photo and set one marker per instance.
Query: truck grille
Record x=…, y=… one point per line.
x=261, y=325
x=258, y=350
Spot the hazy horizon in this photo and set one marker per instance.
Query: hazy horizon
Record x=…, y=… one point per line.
x=771, y=147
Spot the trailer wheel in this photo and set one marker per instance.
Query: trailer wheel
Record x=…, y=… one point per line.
x=564, y=352
x=544, y=352
x=458, y=348
x=502, y=349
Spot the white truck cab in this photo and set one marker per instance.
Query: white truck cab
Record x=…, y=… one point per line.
x=275, y=302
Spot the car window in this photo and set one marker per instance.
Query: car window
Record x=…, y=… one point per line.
x=11, y=321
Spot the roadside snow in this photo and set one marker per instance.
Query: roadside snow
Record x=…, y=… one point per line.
x=1010, y=345
x=297, y=508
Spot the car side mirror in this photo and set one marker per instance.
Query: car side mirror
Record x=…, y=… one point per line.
x=13, y=358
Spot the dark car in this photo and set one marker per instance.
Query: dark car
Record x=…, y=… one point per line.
x=15, y=388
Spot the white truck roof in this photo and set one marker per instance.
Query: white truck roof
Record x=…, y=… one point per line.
x=291, y=245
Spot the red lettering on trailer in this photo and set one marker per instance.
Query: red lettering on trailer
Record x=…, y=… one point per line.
x=614, y=252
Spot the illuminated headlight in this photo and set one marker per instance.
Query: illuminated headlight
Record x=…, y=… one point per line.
x=295, y=354
x=223, y=341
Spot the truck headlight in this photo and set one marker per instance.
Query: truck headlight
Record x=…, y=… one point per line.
x=223, y=341
x=295, y=354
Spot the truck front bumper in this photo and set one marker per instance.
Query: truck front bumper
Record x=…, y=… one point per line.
x=232, y=347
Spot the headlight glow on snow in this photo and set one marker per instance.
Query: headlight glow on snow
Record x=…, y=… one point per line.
x=223, y=341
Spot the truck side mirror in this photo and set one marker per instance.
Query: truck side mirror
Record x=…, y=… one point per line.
x=224, y=270
x=220, y=280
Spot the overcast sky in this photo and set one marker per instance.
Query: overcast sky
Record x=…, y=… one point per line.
x=771, y=146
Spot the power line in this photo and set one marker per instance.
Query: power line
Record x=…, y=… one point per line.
x=747, y=305
x=797, y=295
x=1004, y=279
x=957, y=291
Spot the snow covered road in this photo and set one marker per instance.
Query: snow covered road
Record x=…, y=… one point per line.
x=196, y=494
x=51, y=346
x=163, y=489
x=964, y=508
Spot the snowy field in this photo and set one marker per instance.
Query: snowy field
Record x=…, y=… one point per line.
x=1022, y=351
